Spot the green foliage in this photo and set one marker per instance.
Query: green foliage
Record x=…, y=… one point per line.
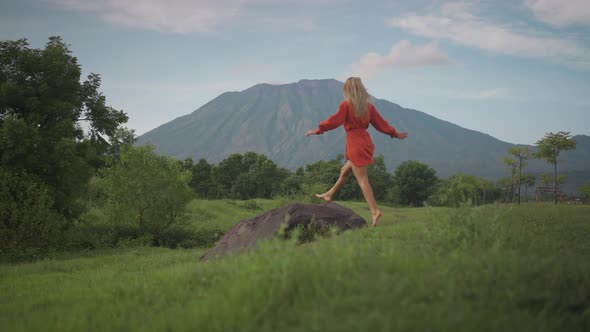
x=546, y=179
x=517, y=161
x=324, y=172
x=413, y=183
x=463, y=189
x=121, y=137
x=201, y=181
x=549, y=148
x=41, y=102
x=529, y=181
x=585, y=190
x=29, y=227
x=146, y=190
x=246, y=176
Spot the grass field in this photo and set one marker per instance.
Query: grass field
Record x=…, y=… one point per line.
x=496, y=268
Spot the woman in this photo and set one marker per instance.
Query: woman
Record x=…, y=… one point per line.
x=356, y=112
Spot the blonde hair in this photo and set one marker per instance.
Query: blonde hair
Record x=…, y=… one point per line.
x=356, y=95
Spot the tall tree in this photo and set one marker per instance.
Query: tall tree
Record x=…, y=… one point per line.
x=42, y=103
x=549, y=148
x=201, y=180
x=520, y=156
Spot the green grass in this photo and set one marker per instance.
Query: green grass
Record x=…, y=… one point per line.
x=500, y=268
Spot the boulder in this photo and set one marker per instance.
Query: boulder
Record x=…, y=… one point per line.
x=244, y=235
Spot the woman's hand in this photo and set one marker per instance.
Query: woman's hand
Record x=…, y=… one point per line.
x=312, y=132
x=402, y=135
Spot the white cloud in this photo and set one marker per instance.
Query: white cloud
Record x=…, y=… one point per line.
x=185, y=16
x=561, y=12
x=173, y=16
x=457, y=23
x=402, y=54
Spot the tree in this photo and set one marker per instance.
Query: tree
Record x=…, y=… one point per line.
x=262, y=179
x=121, y=137
x=145, y=189
x=247, y=176
x=486, y=186
x=549, y=148
x=201, y=181
x=42, y=102
x=528, y=180
x=413, y=182
x=466, y=185
x=225, y=173
x=520, y=157
x=546, y=179
x=463, y=188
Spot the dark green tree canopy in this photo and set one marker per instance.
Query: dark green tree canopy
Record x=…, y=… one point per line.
x=42, y=102
x=42, y=87
x=414, y=182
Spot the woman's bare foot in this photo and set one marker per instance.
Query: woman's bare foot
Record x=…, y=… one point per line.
x=325, y=196
x=376, y=217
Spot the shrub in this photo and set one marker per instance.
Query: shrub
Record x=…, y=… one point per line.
x=146, y=190
x=29, y=227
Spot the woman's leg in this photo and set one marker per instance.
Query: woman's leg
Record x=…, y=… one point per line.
x=363, y=179
x=344, y=174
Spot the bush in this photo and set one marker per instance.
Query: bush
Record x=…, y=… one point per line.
x=29, y=227
x=95, y=230
x=146, y=190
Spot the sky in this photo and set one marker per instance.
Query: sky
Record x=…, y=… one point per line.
x=511, y=69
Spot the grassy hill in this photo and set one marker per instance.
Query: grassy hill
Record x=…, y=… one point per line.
x=502, y=268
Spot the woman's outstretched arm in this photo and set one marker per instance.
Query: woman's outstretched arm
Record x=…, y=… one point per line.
x=333, y=122
x=383, y=126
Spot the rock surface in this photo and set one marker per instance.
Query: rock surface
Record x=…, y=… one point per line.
x=246, y=233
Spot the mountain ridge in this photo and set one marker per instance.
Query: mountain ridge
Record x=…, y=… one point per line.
x=272, y=119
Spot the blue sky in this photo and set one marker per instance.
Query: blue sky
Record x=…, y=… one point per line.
x=511, y=69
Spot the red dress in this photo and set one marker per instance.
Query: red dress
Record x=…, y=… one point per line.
x=359, y=146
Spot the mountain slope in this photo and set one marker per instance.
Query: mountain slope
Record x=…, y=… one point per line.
x=273, y=119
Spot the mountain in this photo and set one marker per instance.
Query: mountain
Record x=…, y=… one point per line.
x=273, y=119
